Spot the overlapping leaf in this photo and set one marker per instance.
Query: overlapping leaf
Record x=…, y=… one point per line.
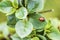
x=11, y=20
x=35, y=5
x=23, y=2
x=21, y=13
x=14, y=3
x=6, y=7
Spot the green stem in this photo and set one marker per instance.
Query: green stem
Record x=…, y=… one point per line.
x=51, y=10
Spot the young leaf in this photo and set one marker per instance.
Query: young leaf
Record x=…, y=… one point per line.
x=42, y=37
x=35, y=5
x=48, y=24
x=6, y=7
x=23, y=28
x=20, y=2
x=26, y=1
x=37, y=24
x=35, y=38
x=14, y=3
x=23, y=2
x=21, y=13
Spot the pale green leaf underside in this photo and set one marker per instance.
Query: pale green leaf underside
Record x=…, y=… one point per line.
x=21, y=13
x=23, y=28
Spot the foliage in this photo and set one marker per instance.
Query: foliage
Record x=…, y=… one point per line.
x=25, y=22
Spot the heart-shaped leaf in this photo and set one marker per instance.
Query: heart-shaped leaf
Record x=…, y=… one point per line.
x=6, y=7
x=14, y=3
x=21, y=13
x=37, y=24
x=35, y=5
x=23, y=28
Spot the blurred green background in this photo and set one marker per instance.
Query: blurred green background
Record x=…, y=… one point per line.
x=52, y=4
x=49, y=4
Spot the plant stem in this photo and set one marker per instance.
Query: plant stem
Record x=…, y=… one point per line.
x=50, y=10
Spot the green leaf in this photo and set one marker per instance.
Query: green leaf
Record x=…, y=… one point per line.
x=11, y=20
x=48, y=24
x=23, y=2
x=14, y=3
x=42, y=37
x=4, y=29
x=35, y=38
x=7, y=10
x=11, y=30
x=6, y=7
x=35, y=5
x=5, y=4
x=26, y=2
x=20, y=3
x=15, y=37
x=37, y=24
x=23, y=28
x=54, y=34
x=21, y=13
x=55, y=22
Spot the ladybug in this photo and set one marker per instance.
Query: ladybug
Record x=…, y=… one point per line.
x=42, y=19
